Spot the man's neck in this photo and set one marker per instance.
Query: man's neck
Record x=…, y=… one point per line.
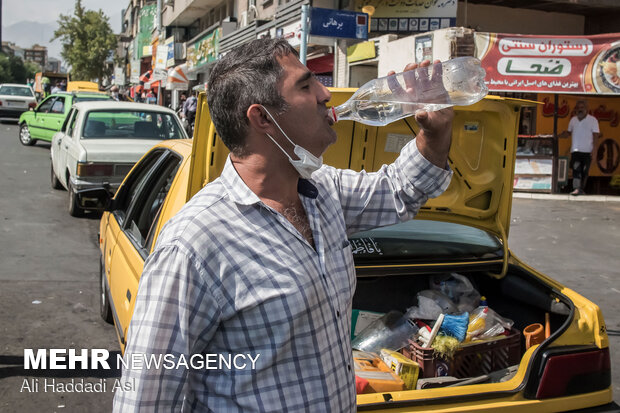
x=272, y=181
x=275, y=183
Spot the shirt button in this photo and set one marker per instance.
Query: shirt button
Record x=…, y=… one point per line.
x=337, y=313
x=349, y=367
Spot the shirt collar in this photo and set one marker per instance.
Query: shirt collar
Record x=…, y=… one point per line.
x=241, y=194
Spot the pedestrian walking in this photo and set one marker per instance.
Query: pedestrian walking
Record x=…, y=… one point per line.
x=257, y=264
x=189, y=111
x=583, y=130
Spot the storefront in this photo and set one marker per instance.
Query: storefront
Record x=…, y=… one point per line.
x=202, y=52
x=558, y=71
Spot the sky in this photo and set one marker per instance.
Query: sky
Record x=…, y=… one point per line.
x=47, y=11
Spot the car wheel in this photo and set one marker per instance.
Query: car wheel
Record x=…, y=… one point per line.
x=55, y=182
x=74, y=209
x=104, y=304
x=24, y=135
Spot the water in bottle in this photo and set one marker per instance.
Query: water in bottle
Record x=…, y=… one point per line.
x=459, y=81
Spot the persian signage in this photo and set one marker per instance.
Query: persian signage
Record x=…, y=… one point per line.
x=560, y=64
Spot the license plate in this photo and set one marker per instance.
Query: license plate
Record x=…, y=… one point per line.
x=15, y=104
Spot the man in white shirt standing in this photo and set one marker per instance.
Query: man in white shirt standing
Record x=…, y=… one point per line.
x=584, y=130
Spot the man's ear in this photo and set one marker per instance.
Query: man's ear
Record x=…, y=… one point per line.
x=258, y=119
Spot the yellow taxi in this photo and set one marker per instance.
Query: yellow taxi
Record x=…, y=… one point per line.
x=464, y=231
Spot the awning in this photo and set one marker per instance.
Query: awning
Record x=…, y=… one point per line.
x=323, y=64
x=177, y=78
x=146, y=76
x=152, y=85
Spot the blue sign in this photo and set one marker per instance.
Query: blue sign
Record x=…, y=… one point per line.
x=342, y=24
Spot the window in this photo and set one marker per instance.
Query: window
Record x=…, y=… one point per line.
x=146, y=209
x=120, y=124
x=92, y=98
x=130, y=189
x=71, y=129
x=65, y=126
x=46, y=105
x=58, y=106
x=16, y=91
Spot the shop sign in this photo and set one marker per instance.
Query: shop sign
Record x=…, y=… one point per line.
x=119, y=76
x=161, y=56
x=147, y=51
x=204, y=50
x=291, y=33
x=135, y=72
x=560, y=64
x=361, y=51
x=412, y=16
x=165, y=54
x=146, y=24
x=340, y=24
x=170, y=46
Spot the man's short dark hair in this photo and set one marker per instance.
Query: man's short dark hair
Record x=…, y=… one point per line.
x=246, y=75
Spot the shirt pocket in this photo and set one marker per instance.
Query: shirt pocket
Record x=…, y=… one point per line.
x=341, y=271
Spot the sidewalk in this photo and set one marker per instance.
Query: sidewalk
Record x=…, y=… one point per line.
x=567, y=197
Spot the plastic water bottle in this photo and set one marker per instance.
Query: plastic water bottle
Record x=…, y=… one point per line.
x=459, y=82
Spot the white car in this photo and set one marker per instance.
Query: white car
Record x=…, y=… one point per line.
x=100, y=142
x=16, y=99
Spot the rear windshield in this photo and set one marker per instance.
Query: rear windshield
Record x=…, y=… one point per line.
x=90, y=98
x=132, y=125
x=16, y=91
x=424, y=241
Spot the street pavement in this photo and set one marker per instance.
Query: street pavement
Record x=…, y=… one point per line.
x=578, y=244
x=49, y=272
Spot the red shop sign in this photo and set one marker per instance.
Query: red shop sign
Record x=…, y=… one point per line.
x=556, y=64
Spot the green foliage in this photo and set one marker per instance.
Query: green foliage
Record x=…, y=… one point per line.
x=14, y=70
x=87, y=42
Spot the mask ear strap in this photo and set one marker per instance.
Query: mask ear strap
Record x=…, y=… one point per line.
x=278, y=145
x=274, y=121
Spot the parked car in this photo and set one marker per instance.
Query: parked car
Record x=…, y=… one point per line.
x=101, y=141
x=47, y=118
x=464, y=231
x=16, y=99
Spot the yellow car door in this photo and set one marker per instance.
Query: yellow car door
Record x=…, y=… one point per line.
x=131, y=229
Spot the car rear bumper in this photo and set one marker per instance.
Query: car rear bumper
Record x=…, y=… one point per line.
x=80, y=184
x=12, y=113
x=607, y=408
x=515, y=402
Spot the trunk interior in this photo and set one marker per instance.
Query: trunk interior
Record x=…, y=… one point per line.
x=518, y=296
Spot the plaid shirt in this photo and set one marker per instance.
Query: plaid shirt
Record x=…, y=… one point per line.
x=231, y=276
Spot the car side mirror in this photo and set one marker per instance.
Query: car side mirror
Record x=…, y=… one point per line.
x=95, y=199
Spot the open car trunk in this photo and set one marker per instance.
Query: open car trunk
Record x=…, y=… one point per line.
x=519, y=296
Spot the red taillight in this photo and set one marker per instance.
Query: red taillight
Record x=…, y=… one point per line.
x=95, y=169
x=32, y=105
x=575, y=373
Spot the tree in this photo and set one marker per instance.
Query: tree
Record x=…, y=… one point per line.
x=87, y=42
x=14, y=70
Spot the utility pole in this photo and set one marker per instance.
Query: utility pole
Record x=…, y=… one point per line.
x=0, y=25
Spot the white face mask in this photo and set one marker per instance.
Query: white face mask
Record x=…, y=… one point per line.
x=307, y=162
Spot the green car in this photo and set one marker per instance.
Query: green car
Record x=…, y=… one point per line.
x=47, y=118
